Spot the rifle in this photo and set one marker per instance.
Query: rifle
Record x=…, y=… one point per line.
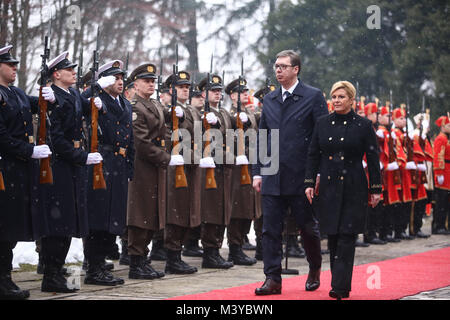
x=392, y=155
x=158, y=90
x=98, y=179
x=377, y=103
x=125, y=73
x=180, y=176
x=410, y=145
x=210, y=179
x=245, y=176
x=2, y=183
x=45, y=171
x=422, y=177
x=80, y=72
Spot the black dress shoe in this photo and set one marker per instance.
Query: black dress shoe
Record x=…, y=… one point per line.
x=441, y=231
x=313, y=280
x=55, y=282
x=422, y=235
x=338, y=295
x=269, y=287
x=389, y=238
x=361, y=244
x=376, y=241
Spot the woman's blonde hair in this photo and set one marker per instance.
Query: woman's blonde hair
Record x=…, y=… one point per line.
x=347, y=86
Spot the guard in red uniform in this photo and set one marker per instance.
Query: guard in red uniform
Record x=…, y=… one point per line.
x=441, y=165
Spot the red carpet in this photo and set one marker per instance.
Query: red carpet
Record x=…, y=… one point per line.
x=383, y=280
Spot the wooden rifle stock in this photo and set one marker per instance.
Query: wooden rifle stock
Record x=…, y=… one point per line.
x=180, y=176
x=2, y=183
x=98, y=181
x=245, y=176
x=45, y=171
x=210, y=178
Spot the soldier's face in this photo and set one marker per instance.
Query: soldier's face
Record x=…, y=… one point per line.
x=400, y=122
x=342, y=103
x=129, y=93
x=198, y=101
x=116, y=88
x=165, y=98
x=244, y=97
x=446, y=128
x=8, y=72
x=372, y=117
x=214, y=95
x=145, y=87
x=384, y=119
x=67, y=77
x=183, y=92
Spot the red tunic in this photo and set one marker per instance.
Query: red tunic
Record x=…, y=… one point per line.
x=406, y=195
x=390, y=193
x=441, y=162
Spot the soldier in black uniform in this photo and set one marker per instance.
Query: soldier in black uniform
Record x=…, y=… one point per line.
x=107, y=208
x=64, y=203
x=20, y=170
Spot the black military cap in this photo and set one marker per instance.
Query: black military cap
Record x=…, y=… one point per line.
x=263, y=91
x=196, y=91
x=60, y=62
x=233, y=86
x=164, y=88
x=111, y=69
x=145, y=71
x=129, y=84
x=182, y=78
x=216, y=83
x=6, y=57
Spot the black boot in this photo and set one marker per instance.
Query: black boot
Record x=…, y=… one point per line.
x=158, y=253
x=238, y=257
x=124, y=257
x=9, y=290
x=213, y=259
x=54, y=281
x=138, y=269
x=192, y=249
x=40, y=266
x=175, y=265
x=259, y=250
x=293, y=249
x=247, y=245
x=97, y=275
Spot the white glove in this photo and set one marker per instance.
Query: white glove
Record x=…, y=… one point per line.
x=440, y=179
x=381, y=165
x=211, y=118
x=392, y=166
x=94, y=158
x=41, y=152
x=207, y=162
x=176, y=160
x=48, y=94
x=380, y=133
x=424, y=136
x=98, y=102
x=241, y=160
x=179, y=112
x=411, y=134
x=422, y=167
x=106, y=81
x=243, y=116
x=394, y=136
x=364, y=164
x=411, y=166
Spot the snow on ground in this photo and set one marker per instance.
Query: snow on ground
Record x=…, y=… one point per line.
x=25, y=253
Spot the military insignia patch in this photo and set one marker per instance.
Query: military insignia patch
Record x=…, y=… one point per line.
x=215, y=80
x=272, y=88
x=182, y=75
x=116, y=64
x=150, y=69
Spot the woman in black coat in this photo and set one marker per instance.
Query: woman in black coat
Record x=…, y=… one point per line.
x=339, y=142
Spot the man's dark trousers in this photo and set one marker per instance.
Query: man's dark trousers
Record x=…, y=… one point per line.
x=275, y=209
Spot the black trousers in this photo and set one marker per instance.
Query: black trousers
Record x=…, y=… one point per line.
x=274, y=210
x=54, y=252
x=419, y=212
x=342, y=256
x=387, y=220
x=441, y=209
x=237, y=230
x=374, y=221
x=6, y=256
x=97, y=246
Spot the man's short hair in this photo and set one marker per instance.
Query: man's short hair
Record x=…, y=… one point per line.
x=295, y=58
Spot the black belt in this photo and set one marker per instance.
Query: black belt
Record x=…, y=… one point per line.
x=117, y=150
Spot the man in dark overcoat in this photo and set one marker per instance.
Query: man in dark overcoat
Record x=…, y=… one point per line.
x=107, y=208
x=19, y=168
x=293, y=110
